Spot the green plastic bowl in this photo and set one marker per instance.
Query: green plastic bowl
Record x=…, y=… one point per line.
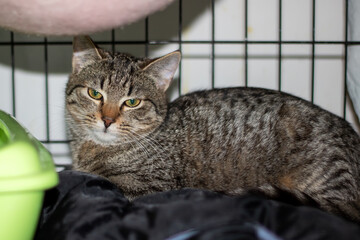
x=26, y=171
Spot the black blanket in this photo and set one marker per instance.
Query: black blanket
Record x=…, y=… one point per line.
x=86, y=206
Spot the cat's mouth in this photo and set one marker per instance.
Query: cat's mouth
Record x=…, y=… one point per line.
x=105, y=136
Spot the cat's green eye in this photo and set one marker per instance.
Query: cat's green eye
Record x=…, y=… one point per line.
x=132, y=102
x=94, y=94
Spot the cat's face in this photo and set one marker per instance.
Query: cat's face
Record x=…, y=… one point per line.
x=112, y=99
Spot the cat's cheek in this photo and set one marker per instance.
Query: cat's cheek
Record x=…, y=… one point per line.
x=74, y=115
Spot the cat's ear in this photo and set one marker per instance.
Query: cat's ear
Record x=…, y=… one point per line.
x=163, y=69
x=85, y=52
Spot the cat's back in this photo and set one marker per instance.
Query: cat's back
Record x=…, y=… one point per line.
x=257, y=130
x=229, y=98
x=246, y=117
x=251, y=105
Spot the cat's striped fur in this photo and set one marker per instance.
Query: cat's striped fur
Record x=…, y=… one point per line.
x=228, y=140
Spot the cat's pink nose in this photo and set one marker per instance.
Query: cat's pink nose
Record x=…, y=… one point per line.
x=107, y=121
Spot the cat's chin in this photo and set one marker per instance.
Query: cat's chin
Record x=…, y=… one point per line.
x=104, y=138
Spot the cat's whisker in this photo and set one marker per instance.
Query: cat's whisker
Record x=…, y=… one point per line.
x=150, y=142
x=132, y=139
x=143, y=147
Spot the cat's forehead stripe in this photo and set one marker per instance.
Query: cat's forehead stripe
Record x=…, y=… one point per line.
x=102, y=80
x=130, y=90
x=124, y=82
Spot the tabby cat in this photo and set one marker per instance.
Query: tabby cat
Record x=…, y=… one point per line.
x=230, y=140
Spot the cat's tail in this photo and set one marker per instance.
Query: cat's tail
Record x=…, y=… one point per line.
x=349, y=210
x=296, y=198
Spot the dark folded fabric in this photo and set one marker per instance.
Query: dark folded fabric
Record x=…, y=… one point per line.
x=86, y=206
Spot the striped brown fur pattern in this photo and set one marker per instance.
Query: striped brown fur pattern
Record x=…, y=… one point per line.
x=229, y=140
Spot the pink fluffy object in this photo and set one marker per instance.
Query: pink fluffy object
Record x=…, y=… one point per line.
x=73, y=17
